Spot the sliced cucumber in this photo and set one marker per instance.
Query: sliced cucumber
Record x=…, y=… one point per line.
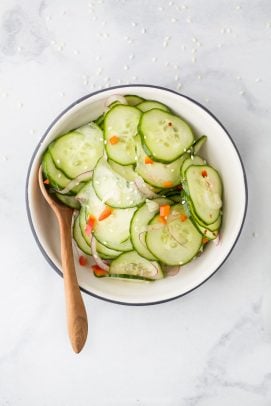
x=126, y=171
x=139, y=224
x=104, y=251
x=100, y=120
x=151, y=104
x=113, y=232
x=176, y=242
x=57, y=179
x=78, y=237
x=113, y=189
x=165, y=135
x=88, y=198
x=69, y=201
x=83, y=224
x=78, y=151
x=205, y=192
x=199, y=144
x=132, y=264
x=193, y=160
x=211, y=235
x=133, y=100
x=121, y=121
x=158, y=174
x=211, y=227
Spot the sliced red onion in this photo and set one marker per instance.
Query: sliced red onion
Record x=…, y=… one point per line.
x=80, y=178
x=113, y=98
x=217, y=240
x=144, y=188
x=172, y=270
x=96, y=257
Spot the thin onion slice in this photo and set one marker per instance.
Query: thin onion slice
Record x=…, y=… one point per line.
x=96, y=257
x=216, y=241
x=144, y=188
x=172, y=270
x=74, y=182
x=114, y=98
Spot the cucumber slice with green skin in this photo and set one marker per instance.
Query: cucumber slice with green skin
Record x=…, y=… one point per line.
x=157, y=174
x=205, y=192
x=103, y=251
x=133, y=100
x=113, y=189
x=199, y=143
x=139, y=224
x=126, y=171
x=211, y=227
x=69, y=201
x=99, y=121
x=57, y=179
x=193, y=160
x=165, y=135
x=90, y=201
x=176, y=242
x=211, y=235
x=122, y=121
x=132, y=264
x=78, y=237
x=152, y=104
x=78, y=151
x=114, y=231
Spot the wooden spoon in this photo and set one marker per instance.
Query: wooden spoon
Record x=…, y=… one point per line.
x=75, y=308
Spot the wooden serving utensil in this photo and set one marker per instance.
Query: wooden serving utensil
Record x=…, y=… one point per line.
x=75, y=308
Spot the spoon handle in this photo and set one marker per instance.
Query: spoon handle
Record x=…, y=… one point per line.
x=75, y=308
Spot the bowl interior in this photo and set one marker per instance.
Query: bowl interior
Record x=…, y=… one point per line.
x=219, y=151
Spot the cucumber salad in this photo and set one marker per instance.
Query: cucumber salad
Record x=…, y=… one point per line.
x=145, y=202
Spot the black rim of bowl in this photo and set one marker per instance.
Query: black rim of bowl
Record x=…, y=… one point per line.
x=48, y=259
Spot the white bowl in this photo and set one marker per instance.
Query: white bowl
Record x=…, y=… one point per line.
x=220, y=151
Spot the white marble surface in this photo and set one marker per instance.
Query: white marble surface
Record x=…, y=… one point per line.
x=212, y=347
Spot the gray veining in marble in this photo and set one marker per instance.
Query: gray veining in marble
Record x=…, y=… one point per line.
x=210, y=348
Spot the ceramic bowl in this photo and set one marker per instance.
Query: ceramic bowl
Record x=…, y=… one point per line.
x=220, y=151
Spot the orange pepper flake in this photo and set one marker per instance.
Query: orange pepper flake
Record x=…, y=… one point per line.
x=114, y=140
x=183, y=217
x=205, y=240
x=90, y=224
x=105, y=213
x=204, y=173
x=98, y=271
x=46, y=182
x=164, y=210
x=162, y=220
x=83, y=260
x=168, y=183
x=148, y=160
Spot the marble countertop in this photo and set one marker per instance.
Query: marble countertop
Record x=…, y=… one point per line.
x=211, y=347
